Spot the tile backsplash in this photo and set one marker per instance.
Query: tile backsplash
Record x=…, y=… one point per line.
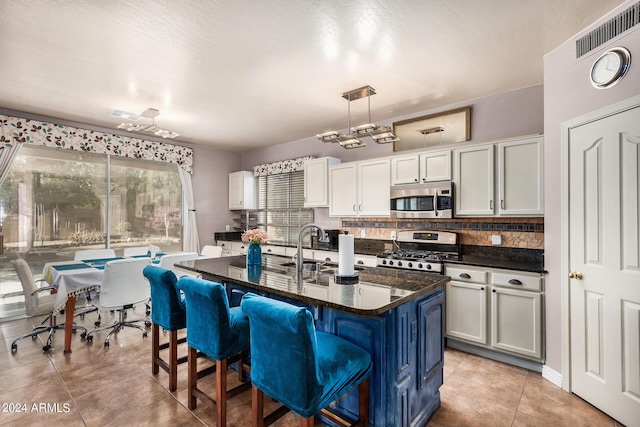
x=514, y=232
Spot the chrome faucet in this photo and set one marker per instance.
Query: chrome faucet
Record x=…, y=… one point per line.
x=299, y=260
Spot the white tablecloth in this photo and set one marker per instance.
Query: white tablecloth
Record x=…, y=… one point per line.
x=71, y=281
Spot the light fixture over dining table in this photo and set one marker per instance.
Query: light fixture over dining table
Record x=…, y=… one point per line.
x=381, y=134
x=151, y=128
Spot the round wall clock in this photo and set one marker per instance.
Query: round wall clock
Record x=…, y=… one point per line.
x=610, y=67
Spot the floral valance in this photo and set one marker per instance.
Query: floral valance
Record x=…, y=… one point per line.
x=283, y=166
x=15, y=130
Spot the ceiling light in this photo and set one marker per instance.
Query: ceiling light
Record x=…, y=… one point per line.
x=379, y=133
x=149, y=113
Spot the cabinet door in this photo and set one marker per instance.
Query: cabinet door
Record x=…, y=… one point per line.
x=474, y=181
x=435, y=166
x=405, y=170
x=516, y=321
x=374, y=188
x=342, y=190
x=520, y=177
x=466, y=311
x=316, y=181
x=242, y=190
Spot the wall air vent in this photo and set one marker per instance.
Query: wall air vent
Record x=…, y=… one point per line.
x=610, y=29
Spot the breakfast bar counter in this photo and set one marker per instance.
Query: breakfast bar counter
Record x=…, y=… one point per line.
x=396, y=315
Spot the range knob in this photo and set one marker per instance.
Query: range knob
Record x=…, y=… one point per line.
x=420, y=265
x=399, y=263
x=410, y=265
x=384, y=261
x=428, y=266
x=390, y=262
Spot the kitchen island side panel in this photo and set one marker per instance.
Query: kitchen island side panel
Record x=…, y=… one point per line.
x=407, y=348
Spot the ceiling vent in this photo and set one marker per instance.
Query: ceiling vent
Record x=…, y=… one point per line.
x=610, y=29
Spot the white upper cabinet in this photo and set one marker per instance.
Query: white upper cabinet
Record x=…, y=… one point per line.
x=425, y=167
x=360, y=188
x=501, y=179
x=242, y=190
x=435, y=166
x=316, y=181
x=474, y=181
x=405, y=169
x=520, y=177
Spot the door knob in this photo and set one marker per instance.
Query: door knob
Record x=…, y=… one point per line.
x=575, y=275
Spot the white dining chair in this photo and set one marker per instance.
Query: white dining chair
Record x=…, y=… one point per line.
x=123, y=286
x=38, y=300
x=135, y=251
x=168, y=261
x=211, y=251
x=94, y=254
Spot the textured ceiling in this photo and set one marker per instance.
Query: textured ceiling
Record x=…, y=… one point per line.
x=252, y=73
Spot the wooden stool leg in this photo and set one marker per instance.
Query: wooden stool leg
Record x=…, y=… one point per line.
x=221, y=391
x=173, y=360
x=306, y=422
x=192, y=366
x=257, y=401
x=363, y=402
x=155, y=348
x=241, y=367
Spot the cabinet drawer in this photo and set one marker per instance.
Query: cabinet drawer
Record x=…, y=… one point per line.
x=466, y=274
x=274, y=250
x=517, y=281
x=327, y=256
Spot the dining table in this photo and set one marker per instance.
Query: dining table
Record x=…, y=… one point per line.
x=73, y=278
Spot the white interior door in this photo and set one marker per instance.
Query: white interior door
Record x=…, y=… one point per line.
x=604, y=259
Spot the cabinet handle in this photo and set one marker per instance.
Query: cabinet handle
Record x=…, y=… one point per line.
x=502, y=204
x=415, y=180
x=494, y=290
x=491, y=204
x=354, y=208
x=482, y=288
x=465, y=276
x=515, y=282
x=360, y=262
x=359, y=208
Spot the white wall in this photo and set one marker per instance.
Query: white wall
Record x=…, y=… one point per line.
x=210, y=181
x=568, y=93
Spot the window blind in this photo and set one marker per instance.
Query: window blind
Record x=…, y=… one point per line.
x=281, y=210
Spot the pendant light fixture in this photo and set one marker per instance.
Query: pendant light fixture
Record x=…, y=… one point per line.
x=379, y=133
x=149, y=113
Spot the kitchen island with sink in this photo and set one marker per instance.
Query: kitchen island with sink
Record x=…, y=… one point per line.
x=396, y=315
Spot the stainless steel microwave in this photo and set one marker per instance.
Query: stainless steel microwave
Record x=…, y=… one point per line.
x=430, y=200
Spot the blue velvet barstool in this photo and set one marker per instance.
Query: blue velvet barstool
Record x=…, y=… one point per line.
x=169, y=314
x=304, y=369
x=219, y=332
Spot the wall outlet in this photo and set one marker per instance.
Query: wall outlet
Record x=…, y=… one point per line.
x=363, y=233
x=496, y=239
x=393, y=235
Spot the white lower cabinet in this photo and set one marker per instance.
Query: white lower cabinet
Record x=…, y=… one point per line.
x=496, y=309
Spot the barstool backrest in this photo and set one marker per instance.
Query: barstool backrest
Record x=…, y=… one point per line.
x=168, y=306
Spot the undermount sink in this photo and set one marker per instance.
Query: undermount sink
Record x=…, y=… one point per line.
x=308, y=266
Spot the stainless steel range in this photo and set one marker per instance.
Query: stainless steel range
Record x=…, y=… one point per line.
x=421, y=250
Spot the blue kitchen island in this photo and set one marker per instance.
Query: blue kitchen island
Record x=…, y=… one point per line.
x=396, y=315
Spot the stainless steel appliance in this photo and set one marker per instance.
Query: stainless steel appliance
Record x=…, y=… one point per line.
x=428, y=200
x=421, y=250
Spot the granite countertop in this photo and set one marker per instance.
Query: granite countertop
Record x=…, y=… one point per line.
x=377, y=291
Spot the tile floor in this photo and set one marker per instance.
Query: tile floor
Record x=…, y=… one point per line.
x=113, y=386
